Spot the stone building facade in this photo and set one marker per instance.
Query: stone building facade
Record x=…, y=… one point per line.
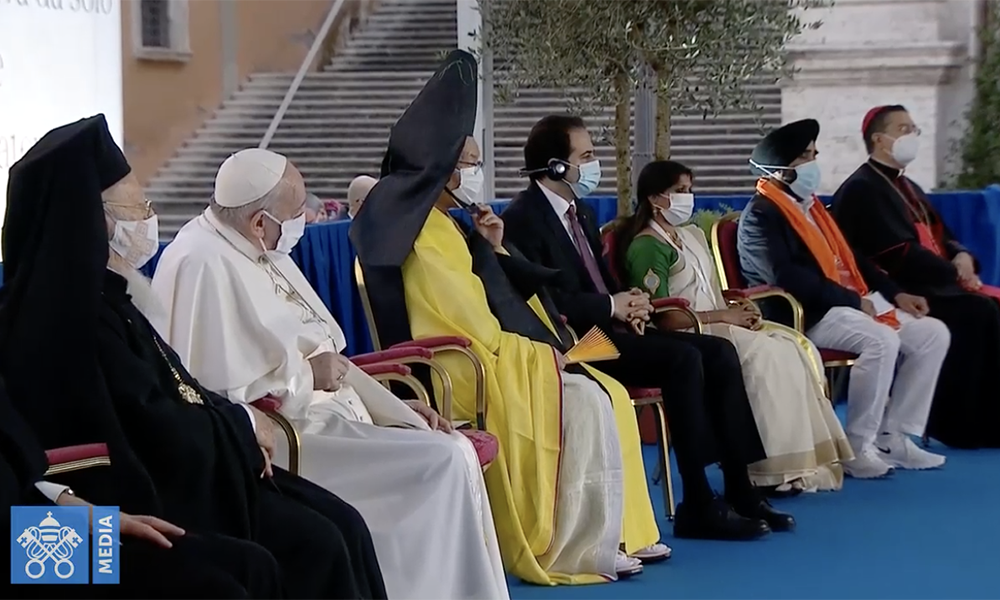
x=918, y=53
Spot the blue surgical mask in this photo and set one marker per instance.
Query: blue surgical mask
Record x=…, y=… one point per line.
x=590, y=178
x=807, y=178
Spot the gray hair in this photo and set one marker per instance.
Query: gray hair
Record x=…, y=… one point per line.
x=314, y=203
x=238, y=216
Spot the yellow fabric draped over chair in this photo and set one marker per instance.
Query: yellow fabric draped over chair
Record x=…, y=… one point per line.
x=523, y=389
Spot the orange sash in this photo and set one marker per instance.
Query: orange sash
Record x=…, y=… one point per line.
x=825, y=242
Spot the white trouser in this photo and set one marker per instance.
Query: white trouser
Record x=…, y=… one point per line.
x=919, y=346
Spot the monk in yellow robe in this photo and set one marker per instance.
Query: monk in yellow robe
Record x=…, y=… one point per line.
x=568, y=489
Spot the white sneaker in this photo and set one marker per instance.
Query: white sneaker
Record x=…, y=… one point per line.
x=626, y=566
x=898, y=450
x=868, y=464
x=654, y=553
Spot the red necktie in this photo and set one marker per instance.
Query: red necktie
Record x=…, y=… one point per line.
x=583, y=247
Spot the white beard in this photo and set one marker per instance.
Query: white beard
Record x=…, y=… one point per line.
x=144, y=298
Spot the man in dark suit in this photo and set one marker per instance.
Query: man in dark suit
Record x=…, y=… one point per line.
x=699, y=376
x=787, y=239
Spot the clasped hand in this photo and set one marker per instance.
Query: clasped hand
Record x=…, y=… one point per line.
x=744, y=314
x=632, y=305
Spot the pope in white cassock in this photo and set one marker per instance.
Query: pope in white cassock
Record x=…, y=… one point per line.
x=247, y=323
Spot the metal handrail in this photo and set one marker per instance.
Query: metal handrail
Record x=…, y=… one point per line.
x=303, y=69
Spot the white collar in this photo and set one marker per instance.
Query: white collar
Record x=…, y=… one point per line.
x=559, y=204
x=237, y=239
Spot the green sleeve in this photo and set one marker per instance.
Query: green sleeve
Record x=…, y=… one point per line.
x=649, y=262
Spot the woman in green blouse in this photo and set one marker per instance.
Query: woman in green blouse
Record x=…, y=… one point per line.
x=781, y=369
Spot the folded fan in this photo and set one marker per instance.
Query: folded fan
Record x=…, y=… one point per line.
x=593, y=347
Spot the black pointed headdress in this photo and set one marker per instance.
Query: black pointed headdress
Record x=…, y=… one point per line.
x=424, y=147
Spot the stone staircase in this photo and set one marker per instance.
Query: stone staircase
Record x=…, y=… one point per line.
x=339, y=121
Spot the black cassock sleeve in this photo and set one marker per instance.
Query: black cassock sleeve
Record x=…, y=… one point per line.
x=22, y=460
x=879, y=227
x=196, y=454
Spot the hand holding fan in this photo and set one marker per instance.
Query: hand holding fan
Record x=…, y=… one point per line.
x=593, y=347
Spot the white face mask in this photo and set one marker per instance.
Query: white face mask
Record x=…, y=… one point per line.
x=905, y=148
x=291, y=232
x=136, y=241
x=807, y=180
x=471, y=189
x=681, y=208
x=590, y=178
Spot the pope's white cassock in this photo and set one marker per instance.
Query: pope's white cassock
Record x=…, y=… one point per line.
x=245, y=323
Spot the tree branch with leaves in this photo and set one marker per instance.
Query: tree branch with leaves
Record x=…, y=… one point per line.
x=707, y=55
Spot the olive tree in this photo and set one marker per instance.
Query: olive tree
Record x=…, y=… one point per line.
x=705, y=55
x=980, y=147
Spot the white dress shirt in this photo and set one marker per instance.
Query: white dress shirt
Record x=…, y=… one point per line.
x=51, y=490
x=562, y=206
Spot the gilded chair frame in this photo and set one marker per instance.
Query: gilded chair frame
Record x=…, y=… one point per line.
x=798, y=315
x=447, y=386
x=294, y=440
x=85, y=456
x=662, y=469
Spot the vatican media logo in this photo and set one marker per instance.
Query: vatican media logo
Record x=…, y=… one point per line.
x=49, y=545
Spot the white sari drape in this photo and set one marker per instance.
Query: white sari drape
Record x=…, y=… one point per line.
x=782, y=371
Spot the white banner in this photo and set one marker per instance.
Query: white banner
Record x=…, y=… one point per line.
x=60, y=61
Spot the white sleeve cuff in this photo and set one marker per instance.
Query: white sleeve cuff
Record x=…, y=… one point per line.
x=253, y=419
x=52, y=491
x=612, y=299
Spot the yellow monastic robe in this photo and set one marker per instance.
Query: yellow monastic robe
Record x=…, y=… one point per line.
x=523, y=396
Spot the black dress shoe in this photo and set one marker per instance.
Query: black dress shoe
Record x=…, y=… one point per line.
x=762, y=509
x=716, y=521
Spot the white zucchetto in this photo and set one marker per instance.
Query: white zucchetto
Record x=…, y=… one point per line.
x=247, y=176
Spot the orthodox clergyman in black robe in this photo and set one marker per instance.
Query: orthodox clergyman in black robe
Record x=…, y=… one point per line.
x=886, y=216
x=193, y=566
x=84, y=365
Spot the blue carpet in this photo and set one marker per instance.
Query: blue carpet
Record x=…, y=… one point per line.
x=930, y=534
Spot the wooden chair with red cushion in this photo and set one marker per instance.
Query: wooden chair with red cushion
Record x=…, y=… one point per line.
x=425, y=351
x=76, y=458
x=727, y=263
x=652, y=423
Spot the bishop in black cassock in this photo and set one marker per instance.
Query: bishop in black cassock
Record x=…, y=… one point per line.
x=212, y=566
x=886, y=216
x=84, y=365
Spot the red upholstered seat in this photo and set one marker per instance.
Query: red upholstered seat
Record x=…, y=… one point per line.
x=727, y=229
x=640, y=393
x=486, y=444
x=830, y=355
x=68, y=454
x=391, y=355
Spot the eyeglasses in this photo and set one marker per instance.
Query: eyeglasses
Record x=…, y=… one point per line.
x=148, y=205
x=478, y=166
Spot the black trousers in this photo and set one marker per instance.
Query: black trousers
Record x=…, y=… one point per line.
x=706, y=402
x=966, y=409
x=197, y=567
x=322, y=543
